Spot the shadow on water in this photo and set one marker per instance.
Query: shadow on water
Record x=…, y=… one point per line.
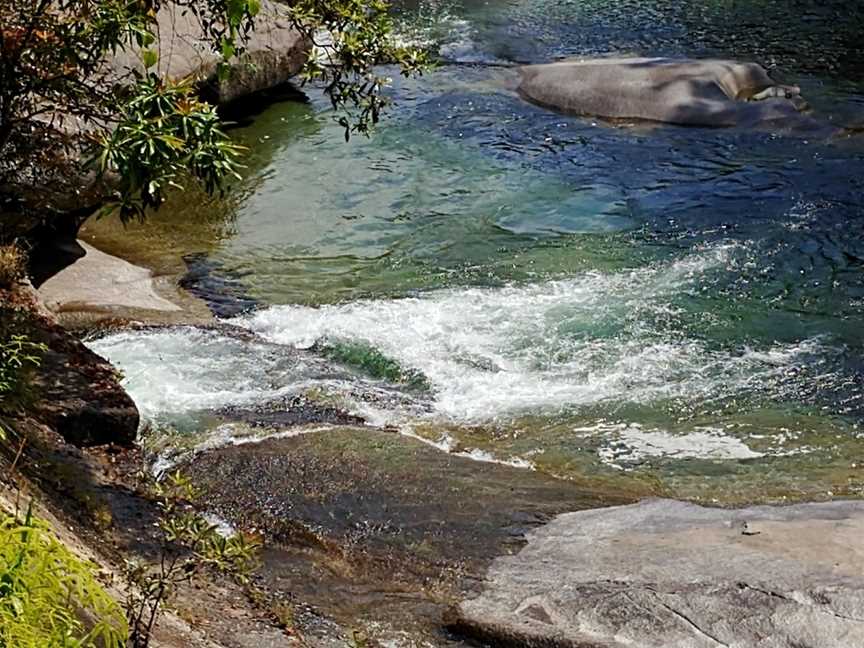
x=223, y=292
x=192, y=223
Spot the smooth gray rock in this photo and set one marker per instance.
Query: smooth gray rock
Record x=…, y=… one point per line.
x=99, y=280
x=668, y=574
x=676, y=91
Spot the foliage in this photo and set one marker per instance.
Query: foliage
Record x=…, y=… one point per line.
x=44, y=589
x=152, y=131
x=18, y=353
x=163, y=133
x=190, y=545
x=12, y=265
x=358, y=37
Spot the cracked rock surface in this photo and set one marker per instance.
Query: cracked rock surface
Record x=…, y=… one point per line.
x=663, y=573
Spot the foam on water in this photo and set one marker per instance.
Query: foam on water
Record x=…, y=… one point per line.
x=448, y=444
x=626, y=445
x=227, y=434
x=487, y=353
x=438, y=26
x=490, y=353
x=188, y=369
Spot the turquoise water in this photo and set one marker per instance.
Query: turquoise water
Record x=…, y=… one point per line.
x=679, y=309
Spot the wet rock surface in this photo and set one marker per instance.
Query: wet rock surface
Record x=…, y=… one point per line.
x=74, y=391
x=665, y=573
x=287, y=412
x=385, y=496
x=375, y=529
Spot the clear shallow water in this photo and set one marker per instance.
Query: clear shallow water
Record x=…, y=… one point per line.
x=679, y=307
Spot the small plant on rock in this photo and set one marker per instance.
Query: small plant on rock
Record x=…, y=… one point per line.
x=189, y=546
x=18, y=355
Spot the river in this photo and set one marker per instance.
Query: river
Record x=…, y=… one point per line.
x=676, y=310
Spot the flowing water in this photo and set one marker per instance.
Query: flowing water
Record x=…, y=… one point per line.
x=675, y=308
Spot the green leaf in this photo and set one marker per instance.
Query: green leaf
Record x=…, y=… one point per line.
x=228, y=49
x=149, y=57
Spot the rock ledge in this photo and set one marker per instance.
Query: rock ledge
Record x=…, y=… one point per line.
x=663, y=574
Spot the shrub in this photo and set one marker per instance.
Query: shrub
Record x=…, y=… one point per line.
x=13, y=265
x=18, y=354
x=189, y=546
x=45, y=591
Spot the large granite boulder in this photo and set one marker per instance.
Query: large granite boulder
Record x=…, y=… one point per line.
x=675, y=91
x=664, y=574
x=274, y=53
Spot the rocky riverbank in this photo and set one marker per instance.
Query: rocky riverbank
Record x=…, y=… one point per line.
x=375, y=537
x=69, y=455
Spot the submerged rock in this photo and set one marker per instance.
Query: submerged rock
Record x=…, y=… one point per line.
x=664, y=573
x=687, y=92
x=222, y=290
x=287, y=412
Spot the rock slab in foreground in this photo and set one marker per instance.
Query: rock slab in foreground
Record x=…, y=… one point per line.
x=668, y=574
x=390, y=501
